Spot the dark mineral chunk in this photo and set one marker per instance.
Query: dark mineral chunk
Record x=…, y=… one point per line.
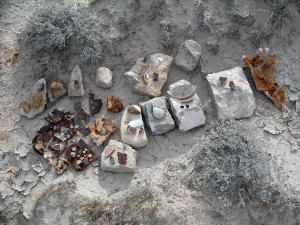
x=155, y=77
x=232, y=86
x=81, y=115
x=114, y=104
x=95, y=104
x=222, y=80
x=122, y=158
x=81, y=143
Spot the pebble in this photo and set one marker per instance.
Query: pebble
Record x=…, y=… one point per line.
x=158, y=113
x=136, y=123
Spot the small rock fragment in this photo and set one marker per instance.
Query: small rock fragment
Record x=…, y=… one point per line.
x=231, y=85
x=188, y=55
x=122, y=159
x=134, y=109
x=109, y=150
x=61, y=166
x=56, y=89
x=95, y=104
x=131, y=77
x=75, y=83
x=222, y=80
x=114, y=104
x=101, y=130
x=104, y=77
x=35, y=101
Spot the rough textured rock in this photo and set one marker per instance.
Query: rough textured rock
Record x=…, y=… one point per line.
x=149, y=74
x=104, y=77
x=118, y=157
x=237, y=103
x=35, y=101
x=114, y=104
x=188, y=55
x=76, y=83
x=188, y=112
x=101, y=130
x=157, y=116
x=55, y=90
x=132, y=128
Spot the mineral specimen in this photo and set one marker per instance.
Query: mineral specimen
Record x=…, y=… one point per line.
x=95, y=104
x=101, y=130
x=114, y=104
x=56, y=89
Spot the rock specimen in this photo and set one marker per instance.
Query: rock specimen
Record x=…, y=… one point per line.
x=95, y=104
x=80, y=114
x=80, y=155
x=104, y=77
x=35, y=101
x=149, y=74
x=188, y=55
x=262, y=70
x=118, y=157
x=61, y=165
x=132, y=127
x=101, y=130
x=234, y=98
x=186, y=105
x=75, y=83
x=114, y=104
x=55, y=90
x=157, y=116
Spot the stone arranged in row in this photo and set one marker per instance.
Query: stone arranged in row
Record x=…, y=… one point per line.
x=75, y=83
x=118, y=157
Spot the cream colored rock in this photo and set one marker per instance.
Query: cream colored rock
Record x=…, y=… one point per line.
x=132, y=128
x=149, y=74
x=104, y=77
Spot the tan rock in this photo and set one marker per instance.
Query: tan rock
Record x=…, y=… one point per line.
x=114, y=104
x=101, y=130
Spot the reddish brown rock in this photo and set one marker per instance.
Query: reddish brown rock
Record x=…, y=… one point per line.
x=101, y=130
x=114, y=104
x=61, y=166
x=95, y=104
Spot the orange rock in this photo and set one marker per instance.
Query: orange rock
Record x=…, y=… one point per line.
x=101, y=130
x=262, y=71
x=114, y=104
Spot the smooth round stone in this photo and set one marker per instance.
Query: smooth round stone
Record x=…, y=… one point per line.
x=158, y=113
x=136, y=123
x=73, y=155
x=74, y=149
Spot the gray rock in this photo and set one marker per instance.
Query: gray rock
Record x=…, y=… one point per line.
x=35, y=101
x=237, y=103
x=104, y=77
x=75, y=83
x=157, y=116
x=131, y=77
x=187, y=113
x=118, y=157
x=188, y=55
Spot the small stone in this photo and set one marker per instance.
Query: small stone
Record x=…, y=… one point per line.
x=158, y=113
x=114, y=104
x=35, y=101
x=101, y=130
x=55, y=90
x=95, y=104
x=146, y=60
x=81, y=143
x=104, y=77
x=75, y=83
x=231, y=85
x=80, y=115
x=90, y=156
x=126, y=156
x=73, y=154
x=155, y=77
x=61, y=166
x=131, y=77
x=182, y=91
x=74, y=149
x=129, y=124
x=108, y=150
x=188, y=55
x=222, y=80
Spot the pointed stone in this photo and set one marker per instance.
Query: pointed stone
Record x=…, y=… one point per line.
x=76, y=84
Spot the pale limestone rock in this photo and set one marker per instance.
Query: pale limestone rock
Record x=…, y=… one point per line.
x=104, y=77
x=187, y=113
x=35, y=101
x=75, y=84
x=188, y=55
x=133, y=134
x=149, y=74
x=237, y=103
x=157, y=116
x=119, y=157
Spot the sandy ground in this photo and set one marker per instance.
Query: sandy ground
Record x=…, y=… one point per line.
x=150, y=27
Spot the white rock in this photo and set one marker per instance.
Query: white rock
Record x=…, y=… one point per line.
x=75, y=83
x=134, y=136
x=150, y=77
x=238, y=103
x=156, y=106
x=188, y=55
x=35, y=101
x=114, y=161
x=187, y=115
x=104, y=77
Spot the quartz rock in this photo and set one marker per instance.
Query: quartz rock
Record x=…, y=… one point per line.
x=188, y=55
x=104, y=77
x=149, y=74
x=35, y=101
x=132, y=129
x=75, y=83
x=237, y=103
x=187, y=112
x=157, y=116
x=118, y=157
x=56, y=89
x=101, y=130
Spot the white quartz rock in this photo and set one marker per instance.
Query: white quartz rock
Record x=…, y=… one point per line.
x=104, y=77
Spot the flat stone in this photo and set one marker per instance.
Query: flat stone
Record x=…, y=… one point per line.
x=35, y=101
x=114, y=104
x=75, y=83
x=95, y=104
x=104, y=77
x=101, y=130
x=162, y=121
x=188, y=112
x=134, y=135
x=55, y=90
x=188, y=55
x=149, y=74
x=237, y=102
x=122, y=159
